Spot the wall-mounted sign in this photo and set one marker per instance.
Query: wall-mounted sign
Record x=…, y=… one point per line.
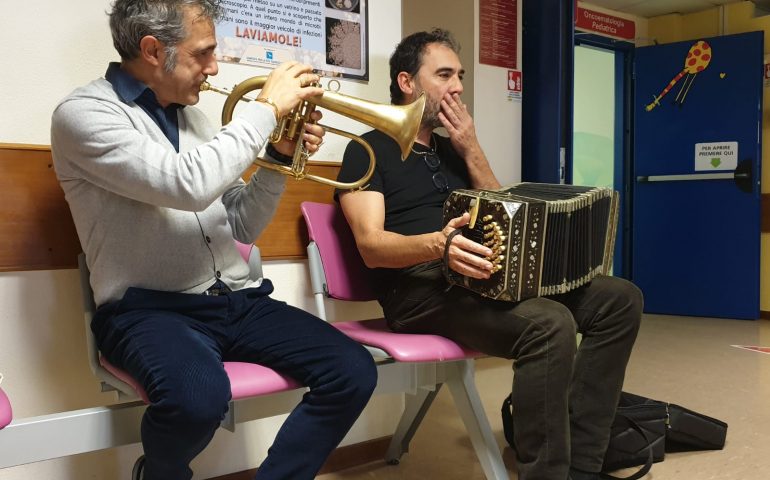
x=514, y=81
x=498, y=33
x=514, y=85
x=331, y=35
x=716, y=156
x=604, y=24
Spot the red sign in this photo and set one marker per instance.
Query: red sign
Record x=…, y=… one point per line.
x=604, y=24
x=514, y=81
x=498, y=31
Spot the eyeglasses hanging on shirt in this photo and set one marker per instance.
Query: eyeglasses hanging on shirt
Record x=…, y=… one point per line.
x=433, y=162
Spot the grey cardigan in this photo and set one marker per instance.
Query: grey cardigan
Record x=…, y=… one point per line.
x=153, y=218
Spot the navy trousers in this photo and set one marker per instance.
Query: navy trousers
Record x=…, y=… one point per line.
x=174, y=344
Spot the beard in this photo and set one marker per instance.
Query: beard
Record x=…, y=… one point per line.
x=430, y=114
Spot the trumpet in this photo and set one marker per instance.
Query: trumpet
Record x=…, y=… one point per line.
x=400, y=122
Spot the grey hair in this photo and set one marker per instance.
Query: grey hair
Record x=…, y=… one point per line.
x=131, y=20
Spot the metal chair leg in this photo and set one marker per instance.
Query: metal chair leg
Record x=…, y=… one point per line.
x=416, y=407
x=138, y=472
x=466, y=397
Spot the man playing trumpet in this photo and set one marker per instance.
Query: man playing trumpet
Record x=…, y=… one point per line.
x=157, y=199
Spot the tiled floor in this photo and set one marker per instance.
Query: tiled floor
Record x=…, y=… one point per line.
x=689, y=361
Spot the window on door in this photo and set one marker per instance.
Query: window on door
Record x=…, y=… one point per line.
x=593, y=161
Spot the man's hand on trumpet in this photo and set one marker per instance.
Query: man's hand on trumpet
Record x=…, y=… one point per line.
x=286, y=86
x=312, y=136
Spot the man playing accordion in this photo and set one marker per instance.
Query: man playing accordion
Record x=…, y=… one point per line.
x=564, y=397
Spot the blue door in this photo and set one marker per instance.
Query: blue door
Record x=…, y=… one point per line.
x=696, y=196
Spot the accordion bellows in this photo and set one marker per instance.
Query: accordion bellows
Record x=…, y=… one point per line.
x=547, y=238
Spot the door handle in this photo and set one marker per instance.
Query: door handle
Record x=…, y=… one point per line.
x=685, y=177
x=743, y=176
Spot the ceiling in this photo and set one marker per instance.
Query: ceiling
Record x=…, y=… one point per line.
x=653, y=8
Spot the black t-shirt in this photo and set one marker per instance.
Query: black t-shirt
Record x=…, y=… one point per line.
x=413, y=203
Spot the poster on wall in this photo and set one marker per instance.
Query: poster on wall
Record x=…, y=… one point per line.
x=498, y=32
x=330, y=35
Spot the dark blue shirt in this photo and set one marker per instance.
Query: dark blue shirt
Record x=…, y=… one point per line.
x=131, y=90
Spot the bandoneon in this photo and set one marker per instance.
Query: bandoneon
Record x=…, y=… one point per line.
x=547, y=239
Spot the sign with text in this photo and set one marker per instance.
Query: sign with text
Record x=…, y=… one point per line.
x=716, y=156
x=604, y=24
x=330, y=35
x=514, y=84
x=514, y=80
x=498, y=33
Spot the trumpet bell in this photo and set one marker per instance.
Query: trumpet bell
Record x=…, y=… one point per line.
x=399, y=122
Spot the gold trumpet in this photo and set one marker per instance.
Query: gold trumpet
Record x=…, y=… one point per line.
x=398, y=122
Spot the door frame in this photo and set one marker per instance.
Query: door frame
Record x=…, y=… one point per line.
x=548, y=53
x=546, y=112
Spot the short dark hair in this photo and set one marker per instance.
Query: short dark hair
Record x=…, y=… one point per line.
x=131, y=20
x=408, y=56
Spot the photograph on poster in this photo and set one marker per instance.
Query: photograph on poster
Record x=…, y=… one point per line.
x=330, y=35
x=347, y=5
x=343, y=43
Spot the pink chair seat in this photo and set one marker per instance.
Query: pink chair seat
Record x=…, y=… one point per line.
x=246, y=379
x=244, y=249
x=405, y=347
x=6, y=414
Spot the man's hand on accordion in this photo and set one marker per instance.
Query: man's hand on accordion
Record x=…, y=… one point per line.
x=463, y=255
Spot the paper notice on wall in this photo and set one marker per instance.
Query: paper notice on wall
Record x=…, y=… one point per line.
x=498, y=33
x=716, y=156
x=330, y=35
x=514, y=85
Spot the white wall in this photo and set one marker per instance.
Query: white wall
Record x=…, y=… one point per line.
x=498, y=116
x=51, y=48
